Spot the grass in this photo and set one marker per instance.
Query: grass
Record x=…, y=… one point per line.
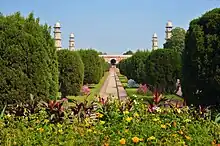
x=94, y=89
x=132, y=91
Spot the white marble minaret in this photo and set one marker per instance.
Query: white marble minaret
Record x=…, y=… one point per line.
x=57, y=36
x=169, y=27
x=154, y=42
x=71, y=42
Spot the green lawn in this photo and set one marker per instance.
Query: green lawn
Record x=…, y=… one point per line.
x=133, y=91
x=94, y=89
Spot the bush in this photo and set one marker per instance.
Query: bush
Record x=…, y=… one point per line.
x=132, y=84
x=201, y=73
x=162, y=69
x=134, y=67
x=71, y=70
x=28, y=60
x=93, y=70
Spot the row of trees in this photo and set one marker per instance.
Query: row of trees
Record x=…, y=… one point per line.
x=158, y=69
x=30, y=64
x=192, y=56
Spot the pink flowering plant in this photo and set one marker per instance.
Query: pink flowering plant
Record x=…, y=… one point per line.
x=85, y=90
x=142, y=90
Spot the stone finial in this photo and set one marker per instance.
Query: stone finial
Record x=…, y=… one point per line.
x=154, y=42
x=169, y=27
x=71, y=42
x=57, y=36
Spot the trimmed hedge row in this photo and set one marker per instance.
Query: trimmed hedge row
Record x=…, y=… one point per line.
x=159, y=68
x=29, y=63
x=71, y=69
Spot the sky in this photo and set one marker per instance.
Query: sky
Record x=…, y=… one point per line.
x=112, y=26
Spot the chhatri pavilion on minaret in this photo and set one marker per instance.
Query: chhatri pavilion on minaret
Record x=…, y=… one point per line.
x=58, y=38
x=168, y=33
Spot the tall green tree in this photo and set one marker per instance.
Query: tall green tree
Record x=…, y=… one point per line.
x=71, y=72
x=162, y=69
x=28, y=60
x=92, y=66
x=201, y=58
x=177, y=40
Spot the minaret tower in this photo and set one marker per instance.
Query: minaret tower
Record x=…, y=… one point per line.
x=71, y=42
x=154, y=42
x=57, y=36
x=169, y=27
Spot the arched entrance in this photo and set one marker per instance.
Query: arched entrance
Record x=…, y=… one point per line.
x=113, y=61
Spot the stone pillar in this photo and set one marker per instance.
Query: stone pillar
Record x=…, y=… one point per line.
x=71, y=42
x=57, y=36
x=154, y=42
x=169, y=27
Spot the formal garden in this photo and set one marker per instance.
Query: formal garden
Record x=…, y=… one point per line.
x=50, y=97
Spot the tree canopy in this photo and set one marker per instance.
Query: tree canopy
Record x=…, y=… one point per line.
x=177, y=40
x=28, y=59
x=201, y=60
x=129, y=52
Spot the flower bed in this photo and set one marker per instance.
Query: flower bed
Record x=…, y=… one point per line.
x=117, y=124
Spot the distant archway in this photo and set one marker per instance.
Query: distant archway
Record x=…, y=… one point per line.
x=113, y=61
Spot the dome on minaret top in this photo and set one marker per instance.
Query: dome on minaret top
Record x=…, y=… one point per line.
x=71, y=35
x=169, y=24
x=57, y=24
x=154, y=35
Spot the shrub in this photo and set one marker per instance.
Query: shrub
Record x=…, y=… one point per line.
x=162, y=69
x=134, y=67
x=132, y=84
x=92, y=66
x=201, y=73
x=27, y=60
x=71, y=71
x=142, y=90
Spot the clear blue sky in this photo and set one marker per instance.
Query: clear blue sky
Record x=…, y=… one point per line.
x=112, y=26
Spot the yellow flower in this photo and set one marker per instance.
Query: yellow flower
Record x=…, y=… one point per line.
x=178, y=111
x=158, y=110
x=129, y=119
x=122, y=141
x=136, y=115
x=41, y=130
x=126, y=130
x=174, y=135
x=156, y=119
x=94, y=132
x=135, y=139
x=126, y=112
x=151, y=138
x=188, y=137
x=168, y=124
x=214, y=142
x=102, y=122
x=89, y=130
x=99, y=115
x=59, y=125
x=46, y=120
x=181, y=132
x=60, y=131
x=163, y=126
x=141, y=139
x=106, y=144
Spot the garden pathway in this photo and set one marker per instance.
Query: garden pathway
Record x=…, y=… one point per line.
x=109, y=88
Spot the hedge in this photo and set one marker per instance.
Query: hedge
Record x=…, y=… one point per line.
x=71, y=72
x=92, y=66
x=201, y=58
x=27, y=60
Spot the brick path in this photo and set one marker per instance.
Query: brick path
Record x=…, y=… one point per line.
x=109, y=88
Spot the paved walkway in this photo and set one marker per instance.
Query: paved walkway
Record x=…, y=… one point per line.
x=109, y=88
